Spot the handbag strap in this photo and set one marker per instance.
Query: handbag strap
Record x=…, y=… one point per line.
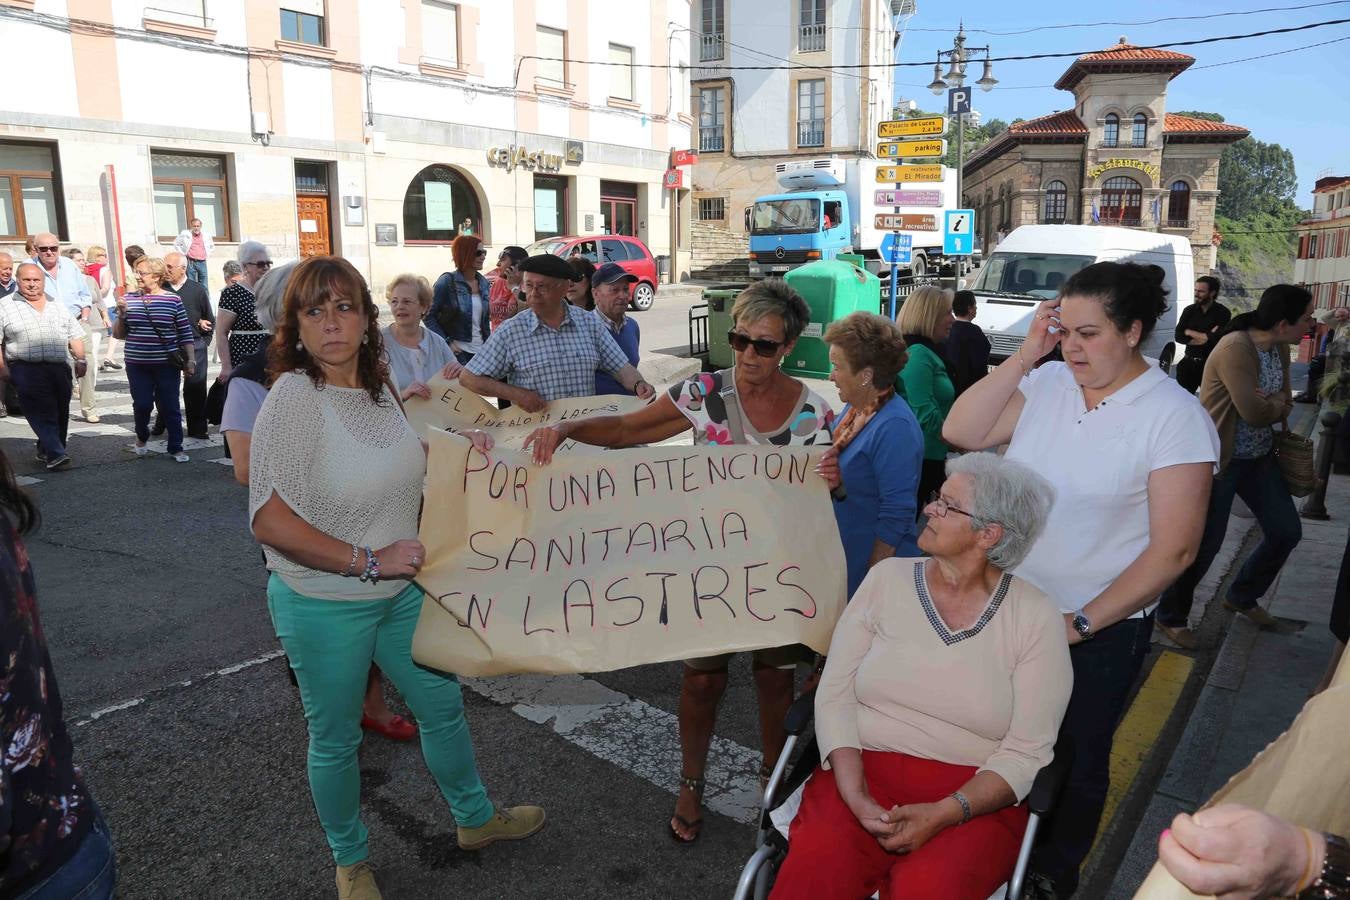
x=150, y=316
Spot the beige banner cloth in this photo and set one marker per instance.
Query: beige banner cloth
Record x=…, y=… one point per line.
x=602, y=561
x=1303, y=777
x=456, y=409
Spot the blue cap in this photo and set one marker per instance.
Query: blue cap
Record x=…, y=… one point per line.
x=609, y=273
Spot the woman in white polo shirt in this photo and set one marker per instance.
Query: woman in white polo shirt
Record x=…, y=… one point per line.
x=1131, y=456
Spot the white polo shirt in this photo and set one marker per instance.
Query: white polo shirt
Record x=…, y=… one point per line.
x=1099, y=461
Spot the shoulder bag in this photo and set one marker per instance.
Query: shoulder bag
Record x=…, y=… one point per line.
x=176, y=356
x=1294, y=453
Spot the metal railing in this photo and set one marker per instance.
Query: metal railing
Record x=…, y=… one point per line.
x=904, y=287
x=810, y=38
x=711, y=138
x=811, y=134
x=182, y=13
x=711, y=46
x=1177, y=223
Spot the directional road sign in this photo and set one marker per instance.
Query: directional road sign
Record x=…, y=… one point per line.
x=897, y=249
x=910, y=174
x=889, y=197
x=929, y=126
x=905, y=222
x=919, y=148
x=958, y=232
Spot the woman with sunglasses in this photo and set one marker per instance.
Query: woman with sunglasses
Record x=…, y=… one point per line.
x=459, y=306
x=238, y=334
x=754, y=402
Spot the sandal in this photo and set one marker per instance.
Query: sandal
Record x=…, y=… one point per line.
x=695, y=828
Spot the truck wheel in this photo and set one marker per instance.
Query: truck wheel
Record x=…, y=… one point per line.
x=919, y=267
x=644, y=295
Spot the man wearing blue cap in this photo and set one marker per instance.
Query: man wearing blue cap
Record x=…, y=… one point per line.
x=551, y=350
x=611, y=286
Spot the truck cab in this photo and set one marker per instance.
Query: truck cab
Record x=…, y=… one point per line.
x=808, y=221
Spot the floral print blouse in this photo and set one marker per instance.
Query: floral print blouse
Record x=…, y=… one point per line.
x=700, y=401
x=45, y=810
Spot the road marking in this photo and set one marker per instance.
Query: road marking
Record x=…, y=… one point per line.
x=1139, y=729
x=218, y=673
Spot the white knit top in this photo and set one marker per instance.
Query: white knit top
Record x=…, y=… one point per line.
x=348, y=466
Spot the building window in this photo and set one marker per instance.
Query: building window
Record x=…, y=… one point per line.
x=811, y=113
x=551, y=45
x=187, y=187
x=1122, y=201
x=1139, y=137
x=550, y=207
x=1179, y=205
x=713, y=20
x=303, y=27
x=711, y=120
x=438, y=204
x=29, y=185
x=1056, y=203
x=811, y=28
x=1111, y=136
x=621, y=72
x=712, y=209
x=440, y=32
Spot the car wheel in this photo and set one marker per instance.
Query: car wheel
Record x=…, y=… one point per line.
x=644, y=295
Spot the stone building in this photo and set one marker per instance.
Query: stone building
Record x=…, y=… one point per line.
x=1116, y=158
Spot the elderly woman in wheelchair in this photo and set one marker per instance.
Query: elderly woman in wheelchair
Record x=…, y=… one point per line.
x=943, y=691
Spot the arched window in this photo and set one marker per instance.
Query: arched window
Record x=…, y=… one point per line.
x=439, y=205
x=1179, y=205
x=1140, y=136
x=1112, y=131
x=1056, y=203
x=1122, y=201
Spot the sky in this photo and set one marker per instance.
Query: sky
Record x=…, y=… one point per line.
x=1297, y=99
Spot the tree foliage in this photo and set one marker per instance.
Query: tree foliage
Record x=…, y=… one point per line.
x=1255, y=177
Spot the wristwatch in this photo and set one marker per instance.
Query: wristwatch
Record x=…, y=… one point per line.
x=1083, y=625
x=1334, y=882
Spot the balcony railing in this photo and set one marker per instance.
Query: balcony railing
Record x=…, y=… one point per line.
x=810, y=38
x=1177, y=223
x=811, y=134
x=711, y=138
x=711, y=47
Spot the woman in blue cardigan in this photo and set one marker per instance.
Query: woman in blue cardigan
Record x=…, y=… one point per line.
x=878, y=442
x=926, y=382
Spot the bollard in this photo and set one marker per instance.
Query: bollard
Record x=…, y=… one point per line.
x=1315, y=507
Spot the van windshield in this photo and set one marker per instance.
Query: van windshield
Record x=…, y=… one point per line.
x=786, y=217
x=1037, y=275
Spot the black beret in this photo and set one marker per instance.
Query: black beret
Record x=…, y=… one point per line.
x=550, y=265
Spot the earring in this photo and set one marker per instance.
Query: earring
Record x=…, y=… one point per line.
x=299, y=345
x=365, y=338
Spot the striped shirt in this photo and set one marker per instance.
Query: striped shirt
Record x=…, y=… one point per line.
x=145, y=314
x=32, y=336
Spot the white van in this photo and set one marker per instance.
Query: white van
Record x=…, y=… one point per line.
x=1034, y=261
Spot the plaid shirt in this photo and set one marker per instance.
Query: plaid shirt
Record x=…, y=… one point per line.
x=35, y=337
x=554, y=363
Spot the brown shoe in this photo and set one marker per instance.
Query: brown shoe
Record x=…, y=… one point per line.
x=1182, y=636
x=1256, y=615
x=511, y=824
x=357, y=882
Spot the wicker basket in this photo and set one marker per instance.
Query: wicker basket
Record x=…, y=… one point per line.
x=1294, y=453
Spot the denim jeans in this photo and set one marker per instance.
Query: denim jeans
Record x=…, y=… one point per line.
x=44, y=390
x=90, y=874
x=196, y=270
x=1261, y=486
x=156, y=385
x=1104, y=671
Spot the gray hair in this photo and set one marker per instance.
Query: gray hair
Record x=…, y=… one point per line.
x=231, y=268
x=269, y=295
x=249, y=249
x=1009, y=494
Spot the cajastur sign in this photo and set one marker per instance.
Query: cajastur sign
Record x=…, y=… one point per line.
x=517, y=157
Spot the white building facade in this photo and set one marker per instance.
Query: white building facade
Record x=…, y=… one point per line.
x=751, y=119
x=1323, y=263
x=375, y=129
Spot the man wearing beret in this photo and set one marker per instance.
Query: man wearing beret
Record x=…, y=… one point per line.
x=551, y=350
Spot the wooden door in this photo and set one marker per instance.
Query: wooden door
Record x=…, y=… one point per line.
x=313, y=215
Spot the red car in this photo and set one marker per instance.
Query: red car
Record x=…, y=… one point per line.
x=628, y=252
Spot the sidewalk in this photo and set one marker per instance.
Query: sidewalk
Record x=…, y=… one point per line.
x=1259, y=680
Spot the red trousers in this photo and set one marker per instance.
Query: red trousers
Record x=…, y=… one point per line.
x=832, y=857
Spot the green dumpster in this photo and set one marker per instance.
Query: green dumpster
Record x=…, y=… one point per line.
x=832, y=289
x=720, y=299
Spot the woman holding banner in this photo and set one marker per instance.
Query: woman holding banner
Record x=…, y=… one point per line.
x=334, y=490
x=754, y=402
x=415, y=353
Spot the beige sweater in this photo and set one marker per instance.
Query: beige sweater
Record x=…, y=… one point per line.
x=991, y=696
x=1228, y=390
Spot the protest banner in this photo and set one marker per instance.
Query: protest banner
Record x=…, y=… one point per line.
x=455, y=409
x=601, y=561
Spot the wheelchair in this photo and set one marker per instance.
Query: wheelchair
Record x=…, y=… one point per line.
x=790, y=775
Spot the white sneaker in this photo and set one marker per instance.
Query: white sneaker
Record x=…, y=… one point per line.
x=180, y=456
x=141, y=449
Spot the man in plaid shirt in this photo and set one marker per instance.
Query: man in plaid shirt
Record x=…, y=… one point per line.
x=551, y=350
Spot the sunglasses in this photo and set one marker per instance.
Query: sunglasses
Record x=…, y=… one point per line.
x=481, y=253
x=763, y=346
x=265, y=264
x=48, y=249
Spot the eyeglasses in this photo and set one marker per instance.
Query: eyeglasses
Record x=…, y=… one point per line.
x=942, y=507
x=763, y=346
x=481, y=253
x=264, y=264
x=48, y=249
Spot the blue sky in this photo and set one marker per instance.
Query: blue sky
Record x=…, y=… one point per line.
x=1297, y=99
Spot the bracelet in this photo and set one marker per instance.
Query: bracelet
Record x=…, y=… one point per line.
x=1021, y=361
x=965, y=806
x=1306, y=879
x=372, y=572
x=1333, y=881
x=351, y=566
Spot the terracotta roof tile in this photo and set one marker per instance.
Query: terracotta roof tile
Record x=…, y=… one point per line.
x=1124, y=57
x=1175, y=124
x=1131, y=51
x=1055, y=123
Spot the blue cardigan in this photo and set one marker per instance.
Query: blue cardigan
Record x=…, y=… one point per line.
x=453, y=290
x=880, y=469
